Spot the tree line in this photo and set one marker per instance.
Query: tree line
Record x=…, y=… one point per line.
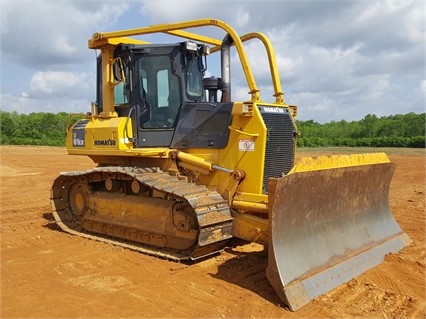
x=33, y=129
x=401, y=130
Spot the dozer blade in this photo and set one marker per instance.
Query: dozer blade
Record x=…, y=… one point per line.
x=329, y=222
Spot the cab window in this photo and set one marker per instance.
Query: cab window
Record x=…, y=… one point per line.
x=159, y=91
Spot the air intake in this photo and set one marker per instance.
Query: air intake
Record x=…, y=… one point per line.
x=280, y=144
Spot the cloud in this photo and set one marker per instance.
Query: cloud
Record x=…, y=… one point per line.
x=52, y=91
x=347, y=59
x=243, y=18
x=182, y=10
x=45, y=33
x=23, y=103
x=44, y=52
x=422, y=86
x=60, y=84
x=336, y=59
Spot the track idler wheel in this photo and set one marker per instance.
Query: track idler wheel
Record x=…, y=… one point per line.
x=78, y=196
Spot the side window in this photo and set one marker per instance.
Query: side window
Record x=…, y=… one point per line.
x=163, y=88
x=194, y=78
x=144, y=83
x=120, y=94
x=144, y=79
x=121, y=89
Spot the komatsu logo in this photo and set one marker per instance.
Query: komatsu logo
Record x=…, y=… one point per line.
x=268, y=109
x=104, y=142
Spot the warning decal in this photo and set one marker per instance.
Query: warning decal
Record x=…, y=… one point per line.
x=246, y=144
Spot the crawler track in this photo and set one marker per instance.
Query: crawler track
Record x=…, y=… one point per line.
x=212, y=218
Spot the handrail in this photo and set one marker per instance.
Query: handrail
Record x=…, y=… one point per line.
x=70, y=117
x=278, y=92
x=126, y=131
x=101, y=38
x=242, y=132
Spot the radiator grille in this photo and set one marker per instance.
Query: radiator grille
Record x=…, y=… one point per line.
x=279, y=154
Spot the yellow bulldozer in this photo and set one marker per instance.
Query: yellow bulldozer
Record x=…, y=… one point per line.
x=181, y=168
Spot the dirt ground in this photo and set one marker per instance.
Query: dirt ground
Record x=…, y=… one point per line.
x=46, y=273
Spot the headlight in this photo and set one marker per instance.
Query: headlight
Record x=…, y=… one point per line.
x=191, y=46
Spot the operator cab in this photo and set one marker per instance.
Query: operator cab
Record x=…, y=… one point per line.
x=160, y=87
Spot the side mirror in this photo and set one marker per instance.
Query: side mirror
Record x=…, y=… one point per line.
x=118, y=70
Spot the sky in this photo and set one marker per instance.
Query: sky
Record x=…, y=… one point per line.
x=337, y=60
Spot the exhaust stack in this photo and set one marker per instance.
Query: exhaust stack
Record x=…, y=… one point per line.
x=225, y=56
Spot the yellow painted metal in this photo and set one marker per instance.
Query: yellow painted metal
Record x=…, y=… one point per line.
x=326, y=162
x=242, y=109
x=115, y=41
x=244, y=151
x=196, y=37
x=233, y=156
x=105, y=135
x=242, y=132
x=108, y=137
x=107, y=82
x=156, y=152
x=278, y=92
x=261, y=199
x=250, y=228
x=249, y=202
x=195, y=161
x=75, y=115
x=250, y=206
x=107, y=153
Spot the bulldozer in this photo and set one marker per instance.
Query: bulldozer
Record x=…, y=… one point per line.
x=181, y=168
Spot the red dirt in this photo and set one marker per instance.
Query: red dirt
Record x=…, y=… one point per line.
x=46, y=273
